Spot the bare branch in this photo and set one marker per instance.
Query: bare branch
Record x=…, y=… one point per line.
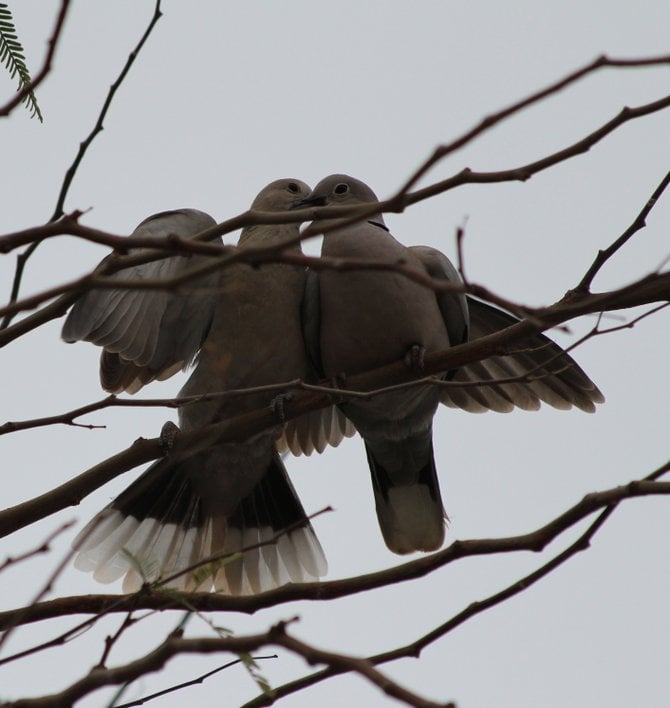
x=535, y=541
x=45, y=590
x=112, y=401
x=198, y=680
x=341, y=663
x=525, y=172
x=112, y=639
x=175, y=645
x=83, y=147
x=415, y=648
x=638, y=223
x=62, y=638
x=495, y=118
x=649, y=289
x=397, y=203
x=256, y=256
x=44, y=547
x=73, y=491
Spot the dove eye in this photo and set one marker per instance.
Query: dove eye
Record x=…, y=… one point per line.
x=341, y=188
x=293, y=187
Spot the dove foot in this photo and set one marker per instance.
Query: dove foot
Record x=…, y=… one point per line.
x=415, y=357
x=169, y=433
x=277, y=406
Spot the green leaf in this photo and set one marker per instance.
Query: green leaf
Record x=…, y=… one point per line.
x=254, y=671
x=14, y=60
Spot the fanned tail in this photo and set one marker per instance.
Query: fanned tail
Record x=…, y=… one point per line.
x=161, y=525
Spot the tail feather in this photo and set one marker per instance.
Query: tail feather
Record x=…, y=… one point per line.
x=296, y=556
x=160, y=525
x=409, y=505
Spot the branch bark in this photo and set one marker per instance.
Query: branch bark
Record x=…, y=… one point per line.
x=535, y=541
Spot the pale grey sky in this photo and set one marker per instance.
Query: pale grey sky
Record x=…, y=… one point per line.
x=229, y=96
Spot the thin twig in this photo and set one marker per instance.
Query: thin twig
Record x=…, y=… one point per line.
x=45, y=590
x=342, y=663
x=71, y=171
x=177, y=631
x=67, y=636
x=525, y=172
x=192, y=682
x=638, y=223
x=44, y=547
x=111, y=639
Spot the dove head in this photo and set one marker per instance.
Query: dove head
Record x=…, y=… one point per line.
x=185, y=222
x=280, y=195
x=342, y=190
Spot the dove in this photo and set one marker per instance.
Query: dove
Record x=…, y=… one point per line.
x=242, y=326
x=358, y=320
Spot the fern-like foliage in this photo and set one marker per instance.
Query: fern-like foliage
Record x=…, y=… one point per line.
x=11, y=55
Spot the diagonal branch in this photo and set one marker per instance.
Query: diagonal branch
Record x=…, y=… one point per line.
x=44, y=547
x=176, y=645
x=638, y=223
x=525, y=172
x=397, y=203
x=535, y=541
x=83, y=147
x=415, y=648
x=192, y=682
x=649, y=289
x=491, y=120
x=112, y=401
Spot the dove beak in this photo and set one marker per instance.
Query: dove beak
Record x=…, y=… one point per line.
x=309, y=200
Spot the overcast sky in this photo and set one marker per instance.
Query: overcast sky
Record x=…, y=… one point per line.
x=226, y=97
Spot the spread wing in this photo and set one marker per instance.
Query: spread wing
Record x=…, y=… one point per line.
x=542, y=370
x=148, y=334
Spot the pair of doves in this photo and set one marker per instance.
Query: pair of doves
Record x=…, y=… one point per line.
x=249, y=326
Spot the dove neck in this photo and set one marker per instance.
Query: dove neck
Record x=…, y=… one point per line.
x=270, y=236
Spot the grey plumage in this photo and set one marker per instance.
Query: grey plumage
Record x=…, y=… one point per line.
x=546, y=373
x=148, y=334
x=360, y=320
x=246, y=323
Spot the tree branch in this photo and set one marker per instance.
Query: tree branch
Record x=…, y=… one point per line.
x=397, y=203
x=638, y=223
x=176, y=645
x=647, y=290
x=192, y=682
x=535, y=541
x=525, y=172
x=415, y=648
x=83, y=147
x=44, y=547
x=493, y=119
